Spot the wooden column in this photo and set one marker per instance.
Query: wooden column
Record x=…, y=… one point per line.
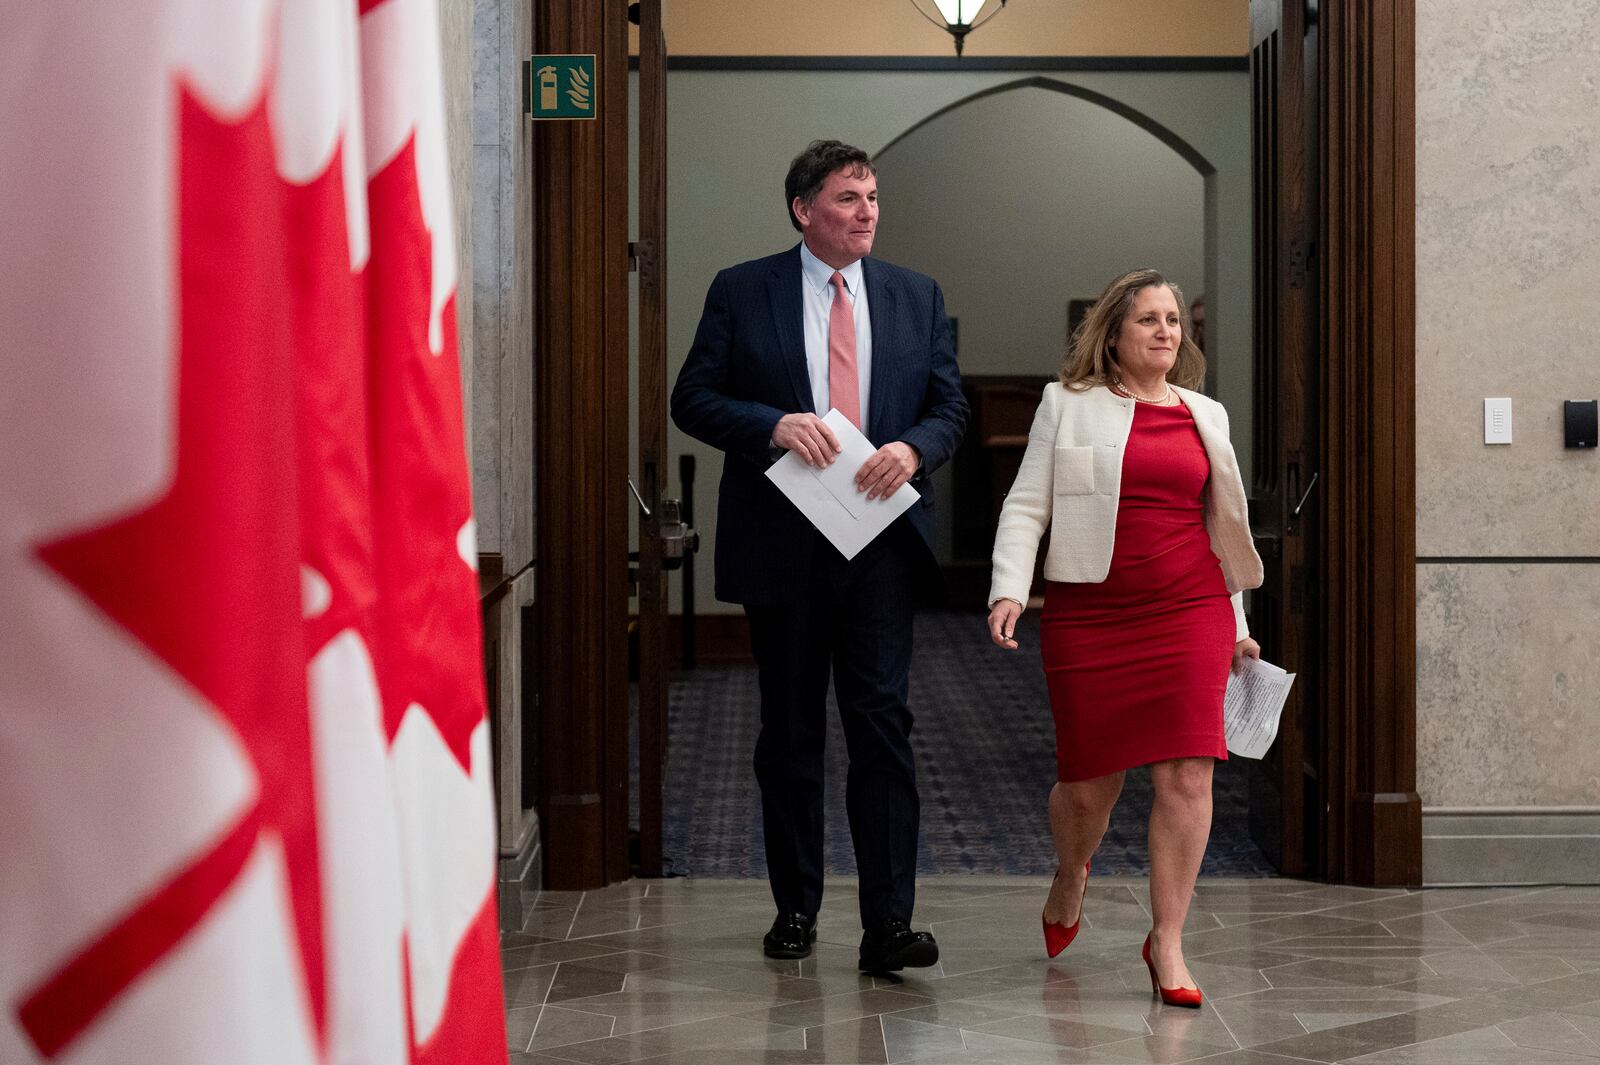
x=1369, y=339
x=581, y=451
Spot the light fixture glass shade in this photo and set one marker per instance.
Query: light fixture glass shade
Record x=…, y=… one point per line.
x=959, y=17
x=959, y=12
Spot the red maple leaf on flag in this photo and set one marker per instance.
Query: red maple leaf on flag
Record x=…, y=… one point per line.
x=302, y=511
x=430, y=649
x=198, y=577
x=430, y=642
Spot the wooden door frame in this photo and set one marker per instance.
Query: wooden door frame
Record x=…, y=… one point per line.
x=1368, y=497
x=580, y=719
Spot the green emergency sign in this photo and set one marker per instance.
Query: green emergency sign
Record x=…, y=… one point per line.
x=562, y=87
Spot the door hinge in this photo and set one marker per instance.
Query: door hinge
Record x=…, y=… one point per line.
x=1302, y=258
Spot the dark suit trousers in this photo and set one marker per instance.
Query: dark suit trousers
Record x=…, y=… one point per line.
x=855, y=623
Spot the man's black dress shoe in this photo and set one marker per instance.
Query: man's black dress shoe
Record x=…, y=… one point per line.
x=791, y=936
x=893, y=946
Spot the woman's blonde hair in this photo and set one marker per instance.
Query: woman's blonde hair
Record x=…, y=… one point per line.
x=1090, y=360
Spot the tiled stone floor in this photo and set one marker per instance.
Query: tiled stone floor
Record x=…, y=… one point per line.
x=671, y=972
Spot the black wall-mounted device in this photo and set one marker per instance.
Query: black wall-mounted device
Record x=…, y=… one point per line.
x=1582, y=422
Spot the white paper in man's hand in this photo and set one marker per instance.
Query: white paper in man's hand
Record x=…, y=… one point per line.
x=828, y=497
x=1252, y=706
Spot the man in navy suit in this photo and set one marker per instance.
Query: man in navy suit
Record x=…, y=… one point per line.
x=781, y=340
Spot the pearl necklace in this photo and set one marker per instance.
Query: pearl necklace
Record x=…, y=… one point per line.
x=1118, y=386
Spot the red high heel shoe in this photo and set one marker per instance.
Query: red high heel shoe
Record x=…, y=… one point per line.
x=1057, y=936
x=1172, y=996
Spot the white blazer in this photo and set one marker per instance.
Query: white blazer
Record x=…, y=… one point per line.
x=1071, y=481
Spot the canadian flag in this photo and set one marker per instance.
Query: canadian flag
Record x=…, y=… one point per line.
x=245, y=800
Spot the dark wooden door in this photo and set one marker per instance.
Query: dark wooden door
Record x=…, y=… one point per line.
x=1287, y=794
x=651, y=260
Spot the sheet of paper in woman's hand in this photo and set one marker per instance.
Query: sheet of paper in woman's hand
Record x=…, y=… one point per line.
x=1252, y=706
x=828, y=497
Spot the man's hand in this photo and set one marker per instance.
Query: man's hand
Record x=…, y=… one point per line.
x=889, y=467
x=808, y=435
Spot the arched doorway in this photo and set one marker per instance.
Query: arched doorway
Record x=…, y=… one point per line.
x=727, y=161
x=1023, y=200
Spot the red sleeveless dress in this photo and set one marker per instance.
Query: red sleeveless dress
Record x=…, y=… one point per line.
x=1137, y=664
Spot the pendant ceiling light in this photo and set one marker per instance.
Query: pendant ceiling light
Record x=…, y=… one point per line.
x=959, y=17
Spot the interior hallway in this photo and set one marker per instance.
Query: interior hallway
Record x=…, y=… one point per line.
x=985, y=750
x=670, y=972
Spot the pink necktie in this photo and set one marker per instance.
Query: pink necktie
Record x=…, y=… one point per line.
x=844, y=387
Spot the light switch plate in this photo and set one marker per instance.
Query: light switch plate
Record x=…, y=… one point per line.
x=1497, y=421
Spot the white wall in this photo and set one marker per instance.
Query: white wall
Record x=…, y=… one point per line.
x=731, y=136
x=1023, y=200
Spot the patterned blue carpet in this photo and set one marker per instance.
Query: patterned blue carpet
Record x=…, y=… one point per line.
x=985, y=763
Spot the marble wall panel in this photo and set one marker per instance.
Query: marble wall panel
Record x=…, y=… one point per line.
x=486, y=71
x=1508, y=685
x=517, y=488
x=502, y=402
x=1508, y=197
x=502, y=399
x=455, y=41
x=516, y=288
x=486, y=330
x=1532, y=845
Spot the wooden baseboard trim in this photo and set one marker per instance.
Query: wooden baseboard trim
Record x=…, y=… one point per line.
x=719, y=640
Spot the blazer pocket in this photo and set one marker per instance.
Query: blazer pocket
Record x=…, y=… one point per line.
x=1074, y=471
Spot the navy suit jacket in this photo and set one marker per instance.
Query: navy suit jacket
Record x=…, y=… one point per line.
x=747, y=369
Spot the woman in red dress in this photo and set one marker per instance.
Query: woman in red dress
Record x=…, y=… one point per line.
x=1134, y=476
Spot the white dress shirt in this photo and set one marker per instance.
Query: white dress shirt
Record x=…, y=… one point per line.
x=816, y=303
